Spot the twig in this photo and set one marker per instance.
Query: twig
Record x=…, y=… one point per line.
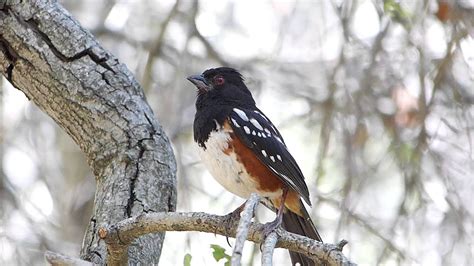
x=341, y=244
x=57, y=259
x=365, y=224
x=268, y=247
x=120, y=235
x=243, y=228
x=155, y=51
x=213, y=53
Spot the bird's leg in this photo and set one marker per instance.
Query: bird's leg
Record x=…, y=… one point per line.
x=271, y=226
x=230, y=218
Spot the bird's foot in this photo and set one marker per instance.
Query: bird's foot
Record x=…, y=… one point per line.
x=229, y=220
x=270, y=227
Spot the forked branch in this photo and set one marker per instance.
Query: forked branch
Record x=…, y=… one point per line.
x=120, y=235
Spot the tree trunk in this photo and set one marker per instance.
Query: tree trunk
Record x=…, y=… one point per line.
x=47, y=55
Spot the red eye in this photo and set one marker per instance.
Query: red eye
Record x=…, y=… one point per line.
x=219, y=80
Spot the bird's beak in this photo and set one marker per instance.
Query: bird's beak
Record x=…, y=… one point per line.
x=200, y=82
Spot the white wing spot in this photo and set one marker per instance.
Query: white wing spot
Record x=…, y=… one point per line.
x=268, y=132
x=264, y=153
x=241, y=114
x=257, y=112
x=235, y=122
x=272, y=158
x=256, y=123
x=259, y=134
x=254, y=133
x=247, y=129
x=279, y=157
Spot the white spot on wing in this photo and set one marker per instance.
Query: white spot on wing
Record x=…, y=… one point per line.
x=272, y=158
x=254, y=133
x=257, y=112
x=235, y=122
x=256, y=123
x=268, y=132
x=279, y=157
x=259, y=134
x=247, y=129
x=264, y=153
x=241, y=114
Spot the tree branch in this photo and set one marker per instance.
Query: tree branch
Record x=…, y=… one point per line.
x=243, y=228
x=56, y=259
x=268, y=248
x=124, y=232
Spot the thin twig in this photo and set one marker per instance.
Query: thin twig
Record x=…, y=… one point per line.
x=243, y=228
x=268, y=248
x=156, y=49
x=212, y=52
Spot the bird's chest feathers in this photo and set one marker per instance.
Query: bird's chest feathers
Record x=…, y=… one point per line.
x=224, y=165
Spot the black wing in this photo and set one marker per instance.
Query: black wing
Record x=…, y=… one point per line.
x=258, y=133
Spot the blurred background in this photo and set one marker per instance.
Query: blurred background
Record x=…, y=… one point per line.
x=374, y=99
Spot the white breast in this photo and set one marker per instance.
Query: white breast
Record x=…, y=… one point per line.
x=225, y=168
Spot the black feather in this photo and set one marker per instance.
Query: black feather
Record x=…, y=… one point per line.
x=302, y=226
x=216, y=104
x=285, y=168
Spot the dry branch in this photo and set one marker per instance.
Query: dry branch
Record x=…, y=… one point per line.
x=242, y=228
x=120, y=235
x=267, y=249
x=56, y=259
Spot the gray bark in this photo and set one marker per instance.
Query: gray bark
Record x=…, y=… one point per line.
x=57, y=64
x=127, y=230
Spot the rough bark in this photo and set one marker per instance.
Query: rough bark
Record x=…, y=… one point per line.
x=126, y=231
x=57, y=64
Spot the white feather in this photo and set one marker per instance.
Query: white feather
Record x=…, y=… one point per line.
x=256, y=123
x=226, y=169
x=241, y=114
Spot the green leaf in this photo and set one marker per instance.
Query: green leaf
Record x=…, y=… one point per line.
x=187, y=259
x=219, y=253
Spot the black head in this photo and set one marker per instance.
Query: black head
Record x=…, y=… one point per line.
x=221, y=86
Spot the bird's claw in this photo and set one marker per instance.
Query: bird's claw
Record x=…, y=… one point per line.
x=270, y=227
x=229, y=220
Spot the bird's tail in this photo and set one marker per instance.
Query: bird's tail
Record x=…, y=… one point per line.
x=294, y=223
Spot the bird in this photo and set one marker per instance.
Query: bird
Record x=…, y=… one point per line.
x=246, y=153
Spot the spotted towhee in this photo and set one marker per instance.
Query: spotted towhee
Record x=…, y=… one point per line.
x=245, y=153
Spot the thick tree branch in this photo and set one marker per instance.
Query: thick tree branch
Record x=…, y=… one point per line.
x=59, y=65
x=123, y=233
